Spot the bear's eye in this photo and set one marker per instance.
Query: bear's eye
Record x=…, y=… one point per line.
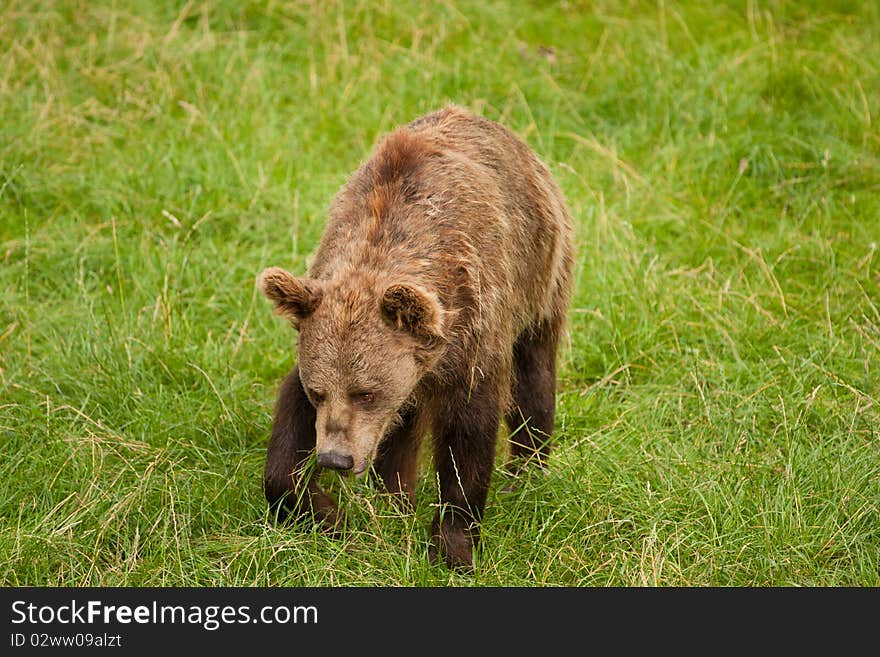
x=364, y=398
x=316, y=397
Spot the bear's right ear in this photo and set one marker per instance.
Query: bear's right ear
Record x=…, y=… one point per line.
x=295, y=298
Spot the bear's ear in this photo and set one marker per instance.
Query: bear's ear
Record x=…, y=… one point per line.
x=413, y=309
x=295, y=298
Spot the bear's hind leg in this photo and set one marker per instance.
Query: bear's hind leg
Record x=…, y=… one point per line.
x=290, y=490
x=531, y=418
x=397, y=464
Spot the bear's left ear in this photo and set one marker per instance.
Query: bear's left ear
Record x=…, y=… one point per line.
x=295, y=298
x=413, y=309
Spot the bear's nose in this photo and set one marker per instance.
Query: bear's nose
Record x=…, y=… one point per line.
x=335, y=460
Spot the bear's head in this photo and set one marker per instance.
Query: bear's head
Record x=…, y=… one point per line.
x=365, y=343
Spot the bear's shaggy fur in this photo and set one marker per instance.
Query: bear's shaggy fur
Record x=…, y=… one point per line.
x=434, y=303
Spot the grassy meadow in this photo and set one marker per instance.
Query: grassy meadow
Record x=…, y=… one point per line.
x=718, y=413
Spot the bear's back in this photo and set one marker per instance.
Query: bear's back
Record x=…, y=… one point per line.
x=459, y=205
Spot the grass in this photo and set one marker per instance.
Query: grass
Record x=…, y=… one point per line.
x=719, y=400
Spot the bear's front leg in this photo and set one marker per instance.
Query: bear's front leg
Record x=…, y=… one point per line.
x=290, y=490
x=465, y=433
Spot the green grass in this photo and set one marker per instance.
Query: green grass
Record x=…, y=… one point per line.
x=719, y=397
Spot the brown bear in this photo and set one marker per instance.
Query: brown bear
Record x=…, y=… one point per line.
x=434, y=303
